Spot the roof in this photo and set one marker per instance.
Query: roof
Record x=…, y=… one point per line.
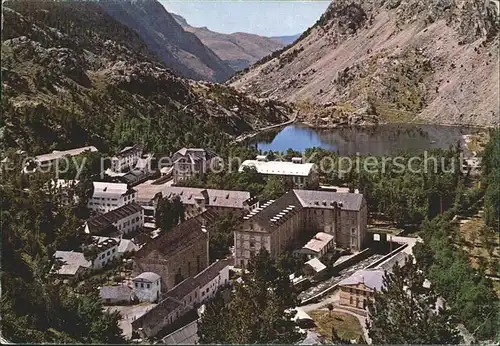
x=216, y=198
x=105, y=221
x=327, y=199
x=274, y=212
x=60, y=154
x=71, y=262
x=115, y=292
x=279, y=167
x=179, y=238
x=147, y=276
x=316, y=265
x=129, y=151
x=370, y=278
x=211, y=272
x=206, y=154
x=125, y=245
x=318, y=242
x=187, y=335
x=109, y=190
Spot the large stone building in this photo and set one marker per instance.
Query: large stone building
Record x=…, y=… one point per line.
x=302, y=175
x=195, y=200
x=178, y=254
x=277, y=225
x=188, y=162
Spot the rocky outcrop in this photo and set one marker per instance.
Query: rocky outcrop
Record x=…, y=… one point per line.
x=418, y=60
x=238, y=50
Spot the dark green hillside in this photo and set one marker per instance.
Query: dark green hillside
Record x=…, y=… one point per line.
x=74, y=76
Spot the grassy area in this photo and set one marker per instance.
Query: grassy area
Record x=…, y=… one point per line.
x=481, y=243
x=346, y=326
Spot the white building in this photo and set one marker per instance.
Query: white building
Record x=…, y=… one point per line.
x=109, y=196
x=147, y=287
x=300, y=174
x=126, y=159
x=71, y=264
x=106, y=252
x=124, y=245
x=123, y=220
x=212, y=279
x=318, y=246
x=46, y=160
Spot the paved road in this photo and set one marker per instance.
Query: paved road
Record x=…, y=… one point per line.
x=266, y=128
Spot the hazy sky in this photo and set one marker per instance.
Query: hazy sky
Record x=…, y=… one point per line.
x=262, y=17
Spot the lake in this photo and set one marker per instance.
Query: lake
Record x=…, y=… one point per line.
x=374, y=140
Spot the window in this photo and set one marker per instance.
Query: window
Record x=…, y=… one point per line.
x=148, y=286
x=350, y=300
x=114, y=250
x=136, y=284
x=107, y=253
x=142, y=285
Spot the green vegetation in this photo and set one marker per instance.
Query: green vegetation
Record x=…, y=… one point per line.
x=404, y=196
x=169, y=212
x=256, y=313
x=491, y=180
x=338, y=325
x=405, y=312
x=35, y=307
x=222, y=236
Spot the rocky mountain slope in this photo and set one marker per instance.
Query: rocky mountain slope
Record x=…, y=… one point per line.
x=238, y=50
x=389, y=60
x=182, y=51
x=74, y=76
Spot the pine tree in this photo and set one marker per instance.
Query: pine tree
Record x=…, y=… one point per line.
x=258, y=311
x=405, y=312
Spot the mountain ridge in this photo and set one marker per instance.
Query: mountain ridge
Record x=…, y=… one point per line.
x=182, y=51
x=238, y=49
x=73, y=76
x=387, y=60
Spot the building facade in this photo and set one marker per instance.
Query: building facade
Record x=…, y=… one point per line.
x=184, y=297
x=188, y=162
x=301, y=175
x=147, y=287
x=125, y=219
x=106, y=251
x=110, y=196
x=126, y=159
x=359, y=289
x=277, y=225
x=177, y=254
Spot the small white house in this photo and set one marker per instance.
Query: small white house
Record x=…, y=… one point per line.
x=147, y=286
x=106, y=252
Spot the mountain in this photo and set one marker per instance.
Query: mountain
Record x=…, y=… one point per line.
x=389, y=60
x=286, y=40
x=238, y=50
x=74, y=76
x=182, y=51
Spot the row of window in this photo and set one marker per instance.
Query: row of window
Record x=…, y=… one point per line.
x=108, y=253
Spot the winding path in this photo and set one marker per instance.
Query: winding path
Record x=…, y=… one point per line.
x=266, y=128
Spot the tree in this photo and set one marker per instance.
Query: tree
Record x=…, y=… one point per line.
x=404, y=311
x=330, y=309
x=259, y=310
x=169, y=212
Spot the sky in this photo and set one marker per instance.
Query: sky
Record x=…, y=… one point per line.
x=261, y=17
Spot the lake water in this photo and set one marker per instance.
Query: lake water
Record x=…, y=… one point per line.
x=374, y=140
